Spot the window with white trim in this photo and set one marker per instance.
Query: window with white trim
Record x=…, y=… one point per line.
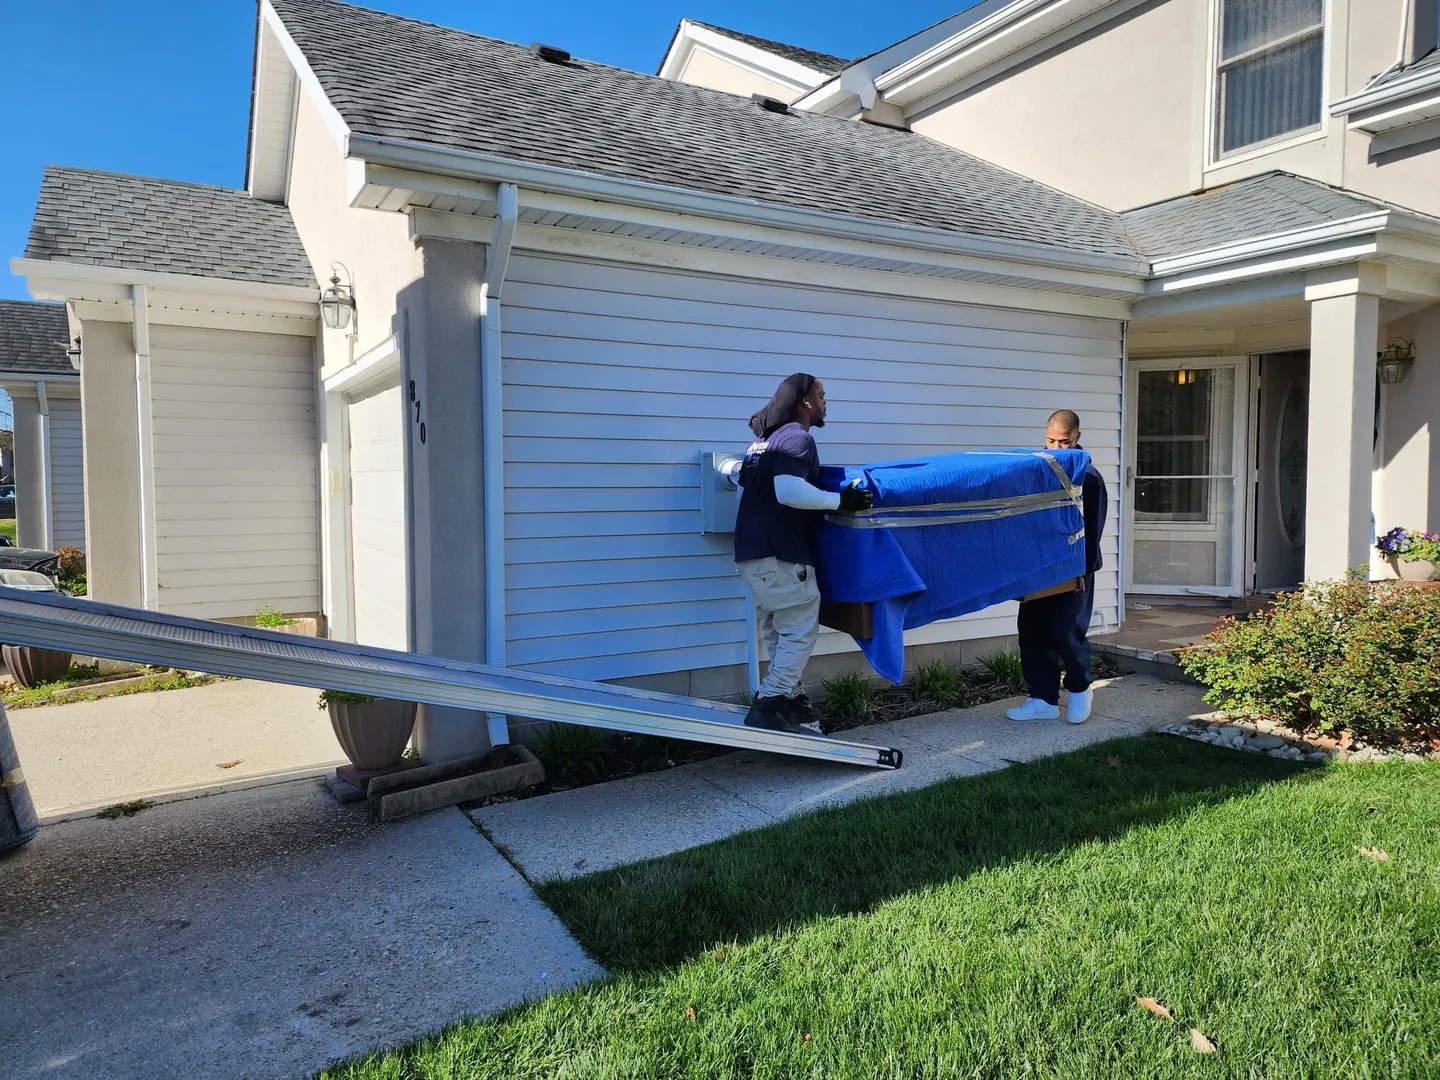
x=1269, y=78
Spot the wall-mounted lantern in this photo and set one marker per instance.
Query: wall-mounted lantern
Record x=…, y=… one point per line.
x=72, y=351
x=337, y=303
x=1394, y=362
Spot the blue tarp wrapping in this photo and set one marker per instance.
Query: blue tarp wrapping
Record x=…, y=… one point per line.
x=950, y=535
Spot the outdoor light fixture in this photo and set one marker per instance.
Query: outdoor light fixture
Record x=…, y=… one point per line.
x=1182, y=377
x=1394, y=362
x=72, y=351
x=337, y=303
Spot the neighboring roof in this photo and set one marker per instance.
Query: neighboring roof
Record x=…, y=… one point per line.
x=824, y=63
x=1263, y=205
x=1429, y=62
x=398, y=78
x=33, y=338
x=137, y=223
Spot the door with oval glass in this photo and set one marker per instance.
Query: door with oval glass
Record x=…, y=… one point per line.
x=1186, y=457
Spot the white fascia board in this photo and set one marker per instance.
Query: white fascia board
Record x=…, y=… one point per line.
x=82, y=278
x=24, y=381
x=789, y=72
x=1161, y=306
x=830, y=98
x=334, y=123
x=1342, y=250
x=1413, y=109
x=1424, y=129
x=982, y=42
x=371, y=368
x=255, y=101
x=421, y=157
x=1269, y=245
x=1389, y=94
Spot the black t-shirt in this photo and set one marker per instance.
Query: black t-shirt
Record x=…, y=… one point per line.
x=765, y=527
x=1097, y=504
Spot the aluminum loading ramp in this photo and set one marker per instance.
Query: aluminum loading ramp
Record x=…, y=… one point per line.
x=88, y=628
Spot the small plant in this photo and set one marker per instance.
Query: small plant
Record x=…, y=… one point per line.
x=72, y=561
x=850, y=697
x=411, y=754
x=1410, y=545
x=572, y=751
x=125, y=809
x=938, y=682
x=1005, y=668
x=342, y=697
x=267, y=618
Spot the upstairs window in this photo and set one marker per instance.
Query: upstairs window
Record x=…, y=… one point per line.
x=1269, y=76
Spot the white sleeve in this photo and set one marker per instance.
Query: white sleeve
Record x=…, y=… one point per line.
x=794, y=491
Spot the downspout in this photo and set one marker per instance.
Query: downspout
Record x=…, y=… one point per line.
x=47, y=514
x=145, y=431
x=492, y=420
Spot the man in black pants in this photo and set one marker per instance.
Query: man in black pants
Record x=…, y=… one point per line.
x=1053, y=629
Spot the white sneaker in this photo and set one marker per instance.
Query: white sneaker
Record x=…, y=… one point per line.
x=1078, y=706
x=1035, y=709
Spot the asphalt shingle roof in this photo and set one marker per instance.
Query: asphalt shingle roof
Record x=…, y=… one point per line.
x=33, y=337
x=398, y=78
x=815, y=61
x=1261, y=206
x=1429, y=62
x=138, y=223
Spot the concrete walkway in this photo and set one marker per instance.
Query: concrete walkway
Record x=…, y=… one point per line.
x=261, y=933
x=571, y=833
x=92, y=754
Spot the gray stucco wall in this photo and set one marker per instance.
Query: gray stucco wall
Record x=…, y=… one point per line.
x=112, y=479
x=440, y=341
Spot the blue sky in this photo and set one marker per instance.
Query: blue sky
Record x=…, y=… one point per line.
x=162, y=88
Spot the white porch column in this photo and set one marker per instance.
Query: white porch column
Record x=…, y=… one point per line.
x=1344, y=335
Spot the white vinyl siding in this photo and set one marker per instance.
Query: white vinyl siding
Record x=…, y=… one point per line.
x=617, y=377
x=67, y=474
x=377, y=518
x=236, y=497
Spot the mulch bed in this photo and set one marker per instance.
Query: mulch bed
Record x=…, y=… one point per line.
x=633, y=755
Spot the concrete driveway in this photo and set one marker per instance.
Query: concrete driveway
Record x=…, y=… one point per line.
x=92, y=754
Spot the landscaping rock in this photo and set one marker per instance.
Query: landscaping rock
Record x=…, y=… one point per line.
x=1265, y=725
x=1412, y=756
x=1278, y=752
x=1233, y=732
x=1318, y=755
x=1365, y=754
x=1267, y=742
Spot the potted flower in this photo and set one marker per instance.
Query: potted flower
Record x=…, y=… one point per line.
x=1412, y=554
x=31, y=666
x=373, y=732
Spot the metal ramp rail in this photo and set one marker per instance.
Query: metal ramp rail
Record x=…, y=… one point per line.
x=89, y=628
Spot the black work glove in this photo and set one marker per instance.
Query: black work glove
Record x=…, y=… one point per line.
x=855, y=500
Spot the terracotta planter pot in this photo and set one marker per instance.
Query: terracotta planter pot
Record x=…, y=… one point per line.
x=373, y=734
x=1418, y=570
x=31, y=667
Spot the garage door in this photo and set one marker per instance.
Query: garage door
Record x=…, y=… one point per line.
x=236, y=470
x=377, y=518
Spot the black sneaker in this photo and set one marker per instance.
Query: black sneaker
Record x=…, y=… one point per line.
x=803, y=714
x=772, y=714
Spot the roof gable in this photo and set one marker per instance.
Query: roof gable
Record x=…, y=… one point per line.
x=824, y=63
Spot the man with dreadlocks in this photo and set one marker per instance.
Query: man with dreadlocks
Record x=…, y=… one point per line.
x=780, y=506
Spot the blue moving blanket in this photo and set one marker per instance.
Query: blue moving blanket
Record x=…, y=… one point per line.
x=950, y=535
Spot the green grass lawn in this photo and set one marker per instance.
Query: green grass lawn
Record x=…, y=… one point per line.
x=7, y=528
x=1003, y=926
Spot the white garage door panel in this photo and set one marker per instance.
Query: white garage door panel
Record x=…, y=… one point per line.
x=617, y=376
x=377, y=519
x=237, y=512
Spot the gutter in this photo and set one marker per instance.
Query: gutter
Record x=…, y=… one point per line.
x=492, y=428
x=1391, y=91
x=145, y=429
x=446, y=161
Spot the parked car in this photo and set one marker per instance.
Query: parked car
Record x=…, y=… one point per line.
x=38, y=560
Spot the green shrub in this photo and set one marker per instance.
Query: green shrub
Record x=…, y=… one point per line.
x=1354, y=655
x=342, y=697
x=572, y=751
x=1005, y=668
x=267, y=618
x=937, y=682
x=850, y=697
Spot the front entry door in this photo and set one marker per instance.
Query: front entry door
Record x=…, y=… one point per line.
x=1185, y=433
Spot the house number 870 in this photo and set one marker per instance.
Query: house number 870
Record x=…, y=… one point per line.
x=416, y=402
